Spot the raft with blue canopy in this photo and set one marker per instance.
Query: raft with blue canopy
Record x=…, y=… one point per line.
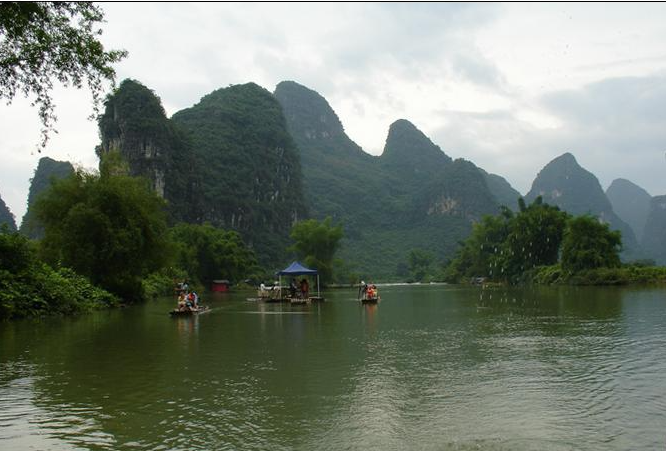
x=297, y=269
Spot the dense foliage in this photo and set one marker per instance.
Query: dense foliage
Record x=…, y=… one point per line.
x=29, y=287
x=533, y=239
x=108, y=227
x=479, y=255
x=625, y=274
x=47, y=171
x=420, y=264
x=316, y=243
x=41, y=42
x=540, y=242
x=589, y=244
x=207, y=253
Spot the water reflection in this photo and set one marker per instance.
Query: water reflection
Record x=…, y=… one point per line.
x=445, y=368
x=188, y=326
x=369, y=313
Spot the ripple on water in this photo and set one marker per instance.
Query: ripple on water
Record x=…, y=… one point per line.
x=508, y=376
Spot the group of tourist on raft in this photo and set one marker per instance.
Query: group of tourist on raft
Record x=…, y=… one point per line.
x=187, y=300
x=296, y=289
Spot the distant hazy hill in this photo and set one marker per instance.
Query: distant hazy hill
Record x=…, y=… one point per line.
x=631, y=203
x=563, y=182
x=411, y=197
x=505, y=194
x=654, y=237
x=47, y=170
x=412, y=154
x=6, y=216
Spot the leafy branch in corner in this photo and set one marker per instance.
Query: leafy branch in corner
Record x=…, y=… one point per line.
x=45, y=41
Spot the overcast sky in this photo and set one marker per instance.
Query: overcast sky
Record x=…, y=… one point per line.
x=507, y=86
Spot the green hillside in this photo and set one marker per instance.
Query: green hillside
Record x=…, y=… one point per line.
x=411, y=197
x=248, y=166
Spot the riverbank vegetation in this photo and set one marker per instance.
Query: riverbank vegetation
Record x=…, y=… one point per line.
x=542, y=245
x=106, y=241
x=108, y=227
x=316, y=242
x=30, y=287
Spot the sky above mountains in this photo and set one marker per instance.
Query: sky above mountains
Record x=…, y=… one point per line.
x=508, y=86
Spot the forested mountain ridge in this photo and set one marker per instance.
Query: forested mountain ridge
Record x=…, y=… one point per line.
x=228, y=160
x=339, y=179
x=631, y=203
x=564, y=183
x=411, y=197
x=6, y=216
x=47, y=170
x=248, y=160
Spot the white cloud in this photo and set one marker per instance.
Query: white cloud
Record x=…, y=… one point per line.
x=499, y=84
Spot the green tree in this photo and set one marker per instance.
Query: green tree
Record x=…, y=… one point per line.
x=316, y=243
x=479, y=254
x=208, y=253
x=533, y=239
x=29, y=287
x=589, y=244
x=45, y=41
x=108, y=227
x=420, y=263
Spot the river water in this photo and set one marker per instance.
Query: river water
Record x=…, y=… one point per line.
x=429, y=368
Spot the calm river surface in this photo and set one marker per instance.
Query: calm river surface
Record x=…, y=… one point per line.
x=429, y=368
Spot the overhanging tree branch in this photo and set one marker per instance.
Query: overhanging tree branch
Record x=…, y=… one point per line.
x=41, y=42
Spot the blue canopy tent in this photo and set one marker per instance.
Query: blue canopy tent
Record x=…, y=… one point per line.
x=296, y=269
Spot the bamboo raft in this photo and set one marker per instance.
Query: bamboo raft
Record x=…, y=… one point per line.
x=189, y=312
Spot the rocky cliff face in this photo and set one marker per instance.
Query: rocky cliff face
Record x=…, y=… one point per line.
x=47, y=170
x=563, y=182
x=654, y=237
x=6, y=216
x=135, y=124
x=631, y=203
